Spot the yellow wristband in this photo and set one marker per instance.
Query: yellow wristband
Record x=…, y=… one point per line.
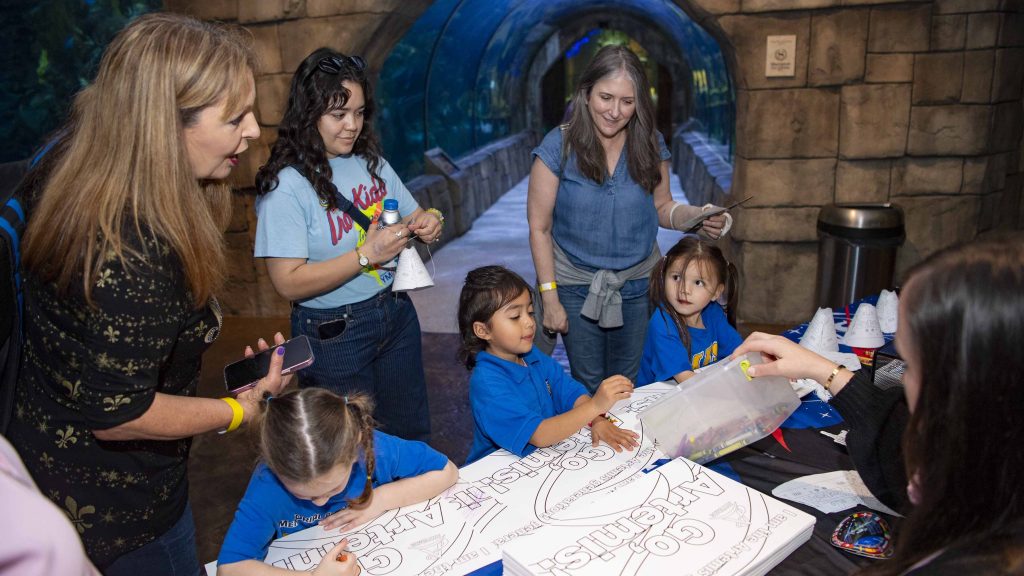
x=237, y=413
x=436, y=212
x=831, y=377
x=545, y=287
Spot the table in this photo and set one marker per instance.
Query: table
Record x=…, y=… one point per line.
x=766, y=464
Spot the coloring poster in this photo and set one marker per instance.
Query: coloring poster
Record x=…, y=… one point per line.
x=496, y=500
x=572, y=488
x=680, y=518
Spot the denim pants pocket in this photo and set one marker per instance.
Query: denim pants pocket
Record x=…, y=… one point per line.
x=378, y=353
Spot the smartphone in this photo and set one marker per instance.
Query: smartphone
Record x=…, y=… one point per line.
x=242, y=375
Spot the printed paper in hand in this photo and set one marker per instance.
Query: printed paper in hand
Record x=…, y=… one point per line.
x=831, y=492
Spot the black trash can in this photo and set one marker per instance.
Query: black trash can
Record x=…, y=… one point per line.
x=857, y=246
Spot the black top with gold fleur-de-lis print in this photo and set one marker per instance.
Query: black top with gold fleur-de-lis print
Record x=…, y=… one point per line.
x=89, y=368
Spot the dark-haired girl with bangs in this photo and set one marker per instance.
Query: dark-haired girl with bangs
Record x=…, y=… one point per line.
x=320, y=196
x=322, y=463
x=689, y=328
x=521, y=398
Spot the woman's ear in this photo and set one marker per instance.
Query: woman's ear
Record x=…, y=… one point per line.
x=481, y=331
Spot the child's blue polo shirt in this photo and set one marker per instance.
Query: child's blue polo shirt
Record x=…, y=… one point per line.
x=664, y=354
x=268, y=511
x=510, y=401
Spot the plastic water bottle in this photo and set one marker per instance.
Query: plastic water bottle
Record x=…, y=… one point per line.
x=388, y=217
x=390, y=214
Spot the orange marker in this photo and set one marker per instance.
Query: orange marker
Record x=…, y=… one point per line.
x=342, y=557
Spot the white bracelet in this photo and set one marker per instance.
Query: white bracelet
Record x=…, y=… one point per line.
x=728, y=220
x=672, y=213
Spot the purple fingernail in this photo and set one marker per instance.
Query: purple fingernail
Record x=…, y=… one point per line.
x=280, y=350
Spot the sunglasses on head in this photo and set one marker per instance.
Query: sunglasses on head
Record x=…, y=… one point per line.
x=865, y=534
x=334, y=64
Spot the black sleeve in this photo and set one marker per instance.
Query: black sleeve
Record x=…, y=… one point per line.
x=131, y=332
x=877, y=419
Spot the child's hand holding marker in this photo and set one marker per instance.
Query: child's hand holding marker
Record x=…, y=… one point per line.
x=343, y=563
x=611, y=390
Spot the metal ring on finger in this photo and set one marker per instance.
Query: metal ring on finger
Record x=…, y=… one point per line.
x=399, y=233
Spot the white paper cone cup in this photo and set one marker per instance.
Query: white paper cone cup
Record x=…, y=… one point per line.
x=820, y=335
x=888, y=311
x=411, y=274
x=864, y=330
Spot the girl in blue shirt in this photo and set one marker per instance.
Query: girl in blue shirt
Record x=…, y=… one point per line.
x=323, y=463
x=689, y=329
x=521, y=398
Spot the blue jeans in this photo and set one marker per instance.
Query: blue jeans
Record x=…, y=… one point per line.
x=596, y=353
x=171, y=554
x=376, y=349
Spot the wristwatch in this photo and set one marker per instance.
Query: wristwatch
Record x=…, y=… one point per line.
x=363, y=260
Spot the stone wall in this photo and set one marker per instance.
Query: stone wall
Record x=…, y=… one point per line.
x=917, y=103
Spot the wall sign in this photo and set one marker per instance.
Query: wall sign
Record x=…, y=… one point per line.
x=780, y=56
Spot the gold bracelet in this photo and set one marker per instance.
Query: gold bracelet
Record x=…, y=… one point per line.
x=831, y=377
x=547, y=286
x=436, y=212
x=237, y=413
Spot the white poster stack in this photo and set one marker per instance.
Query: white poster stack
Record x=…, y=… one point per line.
x=681, y=519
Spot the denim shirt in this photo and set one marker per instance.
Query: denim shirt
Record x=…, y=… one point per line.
x=609, y=226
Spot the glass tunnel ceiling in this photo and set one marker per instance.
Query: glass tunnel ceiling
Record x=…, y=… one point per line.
x=461, y=75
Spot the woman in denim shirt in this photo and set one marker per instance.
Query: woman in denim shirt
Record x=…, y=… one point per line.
x=599, y=190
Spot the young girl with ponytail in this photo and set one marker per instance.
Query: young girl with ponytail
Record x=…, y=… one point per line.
x=323, y=463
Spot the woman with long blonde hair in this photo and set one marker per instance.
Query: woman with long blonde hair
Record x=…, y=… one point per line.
x=123, y=255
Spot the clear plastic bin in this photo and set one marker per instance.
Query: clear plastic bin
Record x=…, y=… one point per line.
x=719, y=410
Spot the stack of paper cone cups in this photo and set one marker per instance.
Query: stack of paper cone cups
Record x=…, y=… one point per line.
x=888, y=311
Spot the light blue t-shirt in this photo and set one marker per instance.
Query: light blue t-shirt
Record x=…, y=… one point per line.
x=268, y=511
x=664, y=354
x=510, y=401
x=609, y=226
x=292, y=223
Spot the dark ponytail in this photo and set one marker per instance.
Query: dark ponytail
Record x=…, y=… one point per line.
x=485, y=291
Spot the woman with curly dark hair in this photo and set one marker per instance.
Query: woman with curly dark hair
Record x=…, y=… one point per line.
x=321, y=194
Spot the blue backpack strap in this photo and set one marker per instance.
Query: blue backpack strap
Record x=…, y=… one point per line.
x=13, y=224
x=12, y=228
